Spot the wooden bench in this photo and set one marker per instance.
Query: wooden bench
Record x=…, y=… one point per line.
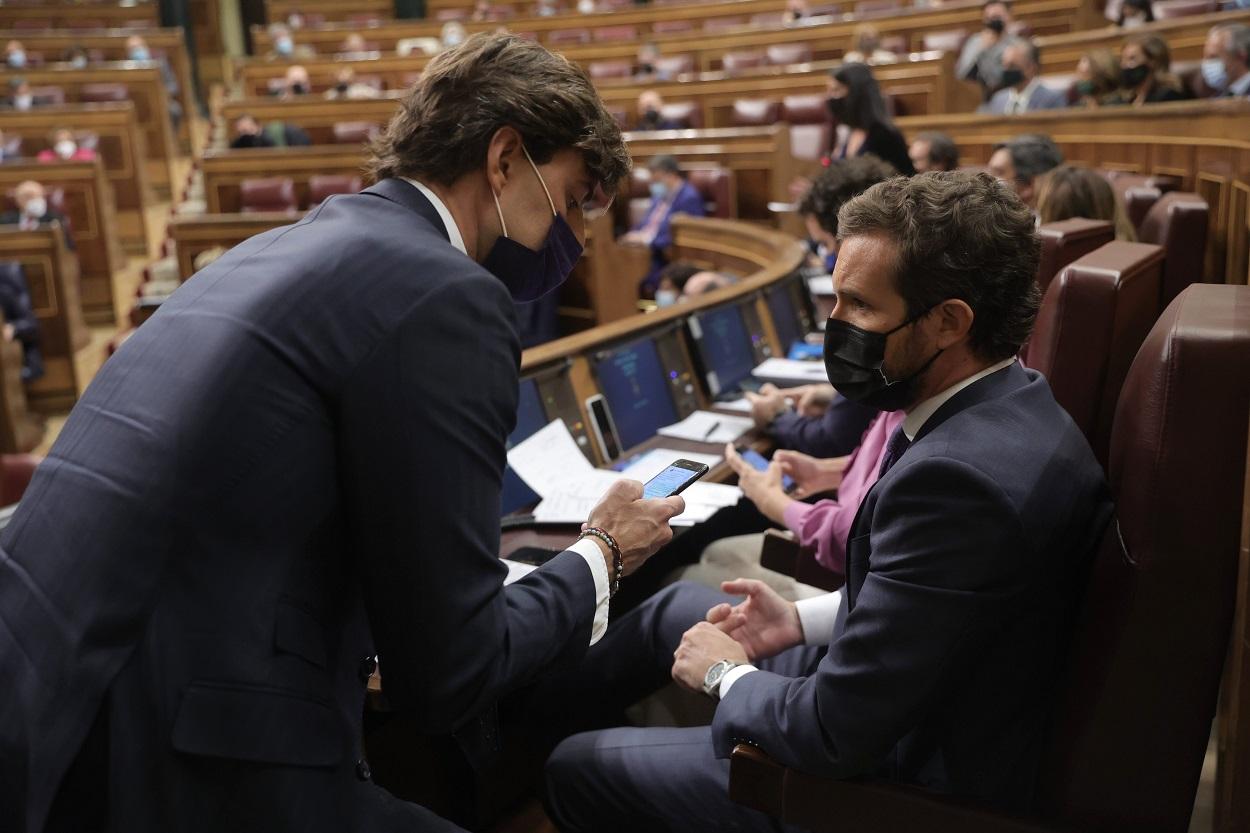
x=147, y=91
x=1185, y=37
x=111, y=43
x=89, y=207
x=121, y=149
x=199, y=233
x=52, y=275
x=277, y=11
x=76, y=16
x=1204, y=143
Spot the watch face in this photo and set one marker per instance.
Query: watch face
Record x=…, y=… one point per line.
x=714, y=673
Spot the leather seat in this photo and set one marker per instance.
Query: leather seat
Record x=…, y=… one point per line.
x=687, y=114
x=669, y=27
x=321, y=186
x=48, y=96
x=33, y=23
x=1178, y=222
x=811, y=128
x=1137, y=201
x=784, y=54
x=674, y=65
x=564, y=37
x=268, y=194
x=720, y=24
x=1065, y=241
x=1135, y=706
x=354, y=132
x=16, y=470
x=1095, y=315
x=733, y=62
x=871, y=7
x=610, y=69
x=103, y=92
x=770, y=20
x=756, y=111
x=716, y=186
x=614, y=34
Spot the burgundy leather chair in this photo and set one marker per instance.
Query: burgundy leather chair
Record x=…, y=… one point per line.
x=103, y=92
x=268, y=194
x=321, y=186
x=1178, y=222
x=48, y=96
x=756, y=111
x=610, y=69
x=1065, y=241
x=811, y=128
x=86, y=25
x=614, y=34
x=444, y=15
x=1137, y=200
x=784, y=54
x=16, y=470
x=364, y=19
x=733, y=62
x=716, y=186
x=1168, y=9
x=719, y=24
x=1095, y=315
x=669, y=27
x=686, y=114
x=373, y=81
x=354, y=132
x=1136, y=702
x=674, y=65
x=564, y=37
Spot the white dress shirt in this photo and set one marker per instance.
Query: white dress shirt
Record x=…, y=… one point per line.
x=1018, y=100
x=818, y=614
x=586, y=548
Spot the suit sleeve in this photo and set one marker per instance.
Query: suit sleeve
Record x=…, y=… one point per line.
x=835, y=433
x=935, y=587
x=423, y=428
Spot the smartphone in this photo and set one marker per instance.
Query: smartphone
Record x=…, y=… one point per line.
x=675, y=478
x=758, y=462
x=603, y=427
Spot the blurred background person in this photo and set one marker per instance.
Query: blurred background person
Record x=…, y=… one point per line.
x=1145, y=73
x=796, y=10
x=452, y=34
x=855, y=102
x=1069, y=191
x=980, y=59
x=867, y=47
x=1022, y=90
x=1135, y=13
x=247, y=134
x=20, y=323
x=1226, y=60
x=62, y=146
x=1097, y=78
x=296, y=82
x=137, y=50
x=76, y=56
x=284, y=46
x=933, y=151
x=682, y=281
x=20, y=97
x=354, y=48
x=650, y=110
x=15, y=56
x=1022, y=161
x=347, y=87
x=671, y=194
x=33, y=209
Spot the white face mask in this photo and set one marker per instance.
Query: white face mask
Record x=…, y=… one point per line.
x=1134, y=22
x=36, y=208
x=665, y=297
x=23, y=102
x=65, y=148
x=585, y=6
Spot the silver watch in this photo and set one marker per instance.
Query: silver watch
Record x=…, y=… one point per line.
x=712, y=679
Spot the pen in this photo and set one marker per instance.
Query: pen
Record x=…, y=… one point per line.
x=711, y=430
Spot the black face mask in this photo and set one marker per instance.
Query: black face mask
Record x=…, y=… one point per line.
x=299, y=88
x=996, y=25
x=340, y=87
x=1012, y=76
x=1134, y=76
x=837, y=108
x=651, y=117
x=853, y=359
x=646, y=69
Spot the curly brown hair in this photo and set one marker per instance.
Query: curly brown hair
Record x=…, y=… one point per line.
x=446, y=121
x=843, y=179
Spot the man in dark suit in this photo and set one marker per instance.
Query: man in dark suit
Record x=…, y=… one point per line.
x=20, y=323
x=1022, y=90
x=33, y=210
x=671, y=195
x=295, y=465
x=936, y=664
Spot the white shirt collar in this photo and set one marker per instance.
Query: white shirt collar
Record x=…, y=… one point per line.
x=1021, y=97
x=919, y=415
x=453, y=231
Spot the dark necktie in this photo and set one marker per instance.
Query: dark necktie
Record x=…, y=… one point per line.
x=894, y=449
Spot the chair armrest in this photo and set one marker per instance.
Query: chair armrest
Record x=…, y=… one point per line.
x=826, y=805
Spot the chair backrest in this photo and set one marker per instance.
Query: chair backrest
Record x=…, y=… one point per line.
x=869, y=7
x=1168, y=9
x=668, y=27
x=686, y=114
x=16, y=470
x=716, y=186
x=738, y=61
x=784, y=54
x=1137, y=201
x=1065, y=241
x=949, y=40
x=612, y=34
x=771, y=20
x=321, y=186
x=1137, y=700
x=756, y=111
x=805, y=109
x=1178, y=222
x=48, y=95
x=811, y=127
x=275, y=193
x=611, y=69
x=354, y=132
x=104, y=92
x=718, y=24
x=1095, y=315
x=567, y=36
x=673, y=65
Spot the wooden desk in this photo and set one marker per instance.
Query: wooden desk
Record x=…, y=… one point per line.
x=1185, y=36
x=121, y=149
x=89, y=206
x=112, y=44
x=225, y=170
x=146, y=91
x=143, y=15
x=313, y=113
x=52, y=275
x=1205, y=143
x=197, y=234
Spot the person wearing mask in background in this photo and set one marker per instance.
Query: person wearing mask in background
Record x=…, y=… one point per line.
x=867, y=50
x=64, y=148
x=830, y=190
x=284, y=46
x=586, y=7
x=796, y=12
x=933, y=151
x=1135, y=13
x=682, y=281
x=981, y=58
x=1097, y=77
x=354, y=48
x=20, y=323
x=33, y=210
x=248, y=134
x=648, y=64
x=671, y=194
x=1145, y=76
x=296, y=82
x=346, y=87
x=77, y=57
x=1021, y=162
x=1022, y=90
x=15, y=56
x=546, y=8
x=21, y=97
x=137, y=50
x=452, y=34
x=1226, y=60
x=371, y=423
x=856, y=103
x=650, y=110
x=483, y=12
x=1069, y=191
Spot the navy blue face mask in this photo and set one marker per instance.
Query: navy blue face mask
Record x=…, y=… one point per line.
x=854, y=358
x=529, y=274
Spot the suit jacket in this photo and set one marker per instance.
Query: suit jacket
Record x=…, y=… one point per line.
x=13, y=218
x=834, y=433
x=965, y=565
x=687, y=200
x=294, y=464
x=1042, y=98
x=18, y=311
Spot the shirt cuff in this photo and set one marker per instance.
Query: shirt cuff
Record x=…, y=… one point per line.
x=817, y=616
x=590, y=551
x=796, y=514
x=733, y=676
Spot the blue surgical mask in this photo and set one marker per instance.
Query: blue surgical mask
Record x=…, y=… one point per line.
x=658, y=190
x=529, y=274
x=1214, y=74
x=17, y=58
x=140, y=53
x=284, y=46
x=665, y=297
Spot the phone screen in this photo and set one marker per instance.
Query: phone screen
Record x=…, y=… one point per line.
x=671, y=481
x=758, y=462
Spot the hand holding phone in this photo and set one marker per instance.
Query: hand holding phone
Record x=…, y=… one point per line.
x=759, y=463
x=639, y=526
x=677, y=476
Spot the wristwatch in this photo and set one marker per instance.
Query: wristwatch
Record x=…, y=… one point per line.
x=712, y=679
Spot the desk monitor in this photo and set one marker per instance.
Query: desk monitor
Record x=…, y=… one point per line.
x=724, y=347
x=529, y=419
x=786, y=321
x=636, y=386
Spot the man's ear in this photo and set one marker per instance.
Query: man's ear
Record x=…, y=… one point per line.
x=501, y=153
x=954, y=322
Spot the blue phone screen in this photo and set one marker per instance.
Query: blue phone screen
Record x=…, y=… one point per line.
x=758, y=462
x=666, y=482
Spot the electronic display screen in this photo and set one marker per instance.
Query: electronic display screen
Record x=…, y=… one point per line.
x=529, y=420
x=636, y=386
x=667, y=482
x=725, y=348
x=785, y=319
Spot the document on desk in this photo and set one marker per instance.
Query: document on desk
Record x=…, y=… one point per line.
x=572, y=501
x=791, y=372
x=740, y=406
x=708, y=427
x=651, y=463
x=703, y=500
x=552, y=465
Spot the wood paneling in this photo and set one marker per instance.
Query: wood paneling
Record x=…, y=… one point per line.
x=73, y=15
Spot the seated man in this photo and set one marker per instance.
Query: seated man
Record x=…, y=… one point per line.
x=933, y=151
x=965, y=565
x=21, y=97
x=1226, y=60
x=248, y=134
x=650, y=113
x=671, y=194
x=20, y=323
x=33, y=210
x=137, y=50
x=1022, y=90
x=1021, y=162
x=15, y=54
x=980, y=59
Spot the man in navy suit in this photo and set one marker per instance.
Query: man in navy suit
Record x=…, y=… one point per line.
x=1022, y=90
x=935, y=665
x=671, y=194
x=295, y=466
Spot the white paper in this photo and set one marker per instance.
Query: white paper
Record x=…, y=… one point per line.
x=549, y=459
x=703, y=500
x=708, y=427
x=791, y=371
x=658, y=459
x=741, y=406
x=820, y=285
x=572, y=501
x=516, y=570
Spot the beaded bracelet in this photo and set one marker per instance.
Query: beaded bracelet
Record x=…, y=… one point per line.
x=618, y=561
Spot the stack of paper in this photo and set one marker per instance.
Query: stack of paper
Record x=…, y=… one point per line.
x=708, y=427
x=791, y=372
x=657, y=460
x=552, y=465
x=703, y=500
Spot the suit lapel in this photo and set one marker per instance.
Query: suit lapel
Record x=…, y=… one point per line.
x=405, y=194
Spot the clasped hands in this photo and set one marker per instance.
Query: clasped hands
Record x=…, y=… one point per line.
x=760, y=626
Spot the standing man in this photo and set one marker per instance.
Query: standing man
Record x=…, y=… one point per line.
x=294, y=466
x=980, y=59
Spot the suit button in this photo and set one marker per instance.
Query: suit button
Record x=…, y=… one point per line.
x=362, y=770
x=367, y=666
